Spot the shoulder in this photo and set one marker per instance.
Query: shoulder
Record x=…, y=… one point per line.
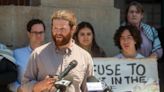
x=22, y=52
x=139, y=56
x=98, y=52
x=43, y=48
x=83, y=57
x=2, y=46
x=146, y=26
x=8, y=54
x=6, y=61
x=102, y=52
x=20, y=49
x=81, y=51
x=119, y=56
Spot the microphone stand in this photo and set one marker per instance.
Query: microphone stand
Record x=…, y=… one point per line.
x=59, y=90
x=107, y=90
x=62, y=85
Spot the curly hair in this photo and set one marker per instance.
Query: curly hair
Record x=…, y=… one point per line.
x=135, y=33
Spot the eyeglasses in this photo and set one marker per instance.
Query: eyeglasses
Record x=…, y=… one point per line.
x=126, y=38
x=38, y=33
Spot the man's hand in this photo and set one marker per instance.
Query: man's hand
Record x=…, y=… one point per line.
x=46, y=84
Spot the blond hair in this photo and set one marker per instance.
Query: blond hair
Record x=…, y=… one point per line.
x=65, y=15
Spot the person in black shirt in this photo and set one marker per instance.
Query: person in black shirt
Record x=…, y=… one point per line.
x=8, y=69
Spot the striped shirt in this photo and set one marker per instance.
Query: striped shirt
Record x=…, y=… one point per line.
x=150, y=41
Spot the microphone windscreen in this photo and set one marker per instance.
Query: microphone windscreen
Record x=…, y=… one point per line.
x=73, y=63
x=92, y=79
x=93, y=84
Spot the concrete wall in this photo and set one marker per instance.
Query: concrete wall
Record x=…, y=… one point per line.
x=102, y=15
x=78, y=3
x=13, y=22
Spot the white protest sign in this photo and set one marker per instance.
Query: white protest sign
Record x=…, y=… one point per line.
x=128, y=75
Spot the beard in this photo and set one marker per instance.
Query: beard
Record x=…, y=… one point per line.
x=63, y=40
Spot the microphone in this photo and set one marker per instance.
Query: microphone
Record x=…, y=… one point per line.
x=107, y=89
x=94, y=85
x=61, y=85
x=71, y=65
x=92, y=79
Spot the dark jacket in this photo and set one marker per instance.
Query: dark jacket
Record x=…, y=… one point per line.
x=8, y=74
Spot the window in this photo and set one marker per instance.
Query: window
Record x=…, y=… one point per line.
x=15, y=2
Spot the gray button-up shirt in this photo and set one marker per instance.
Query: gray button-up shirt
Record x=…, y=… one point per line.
x=48, y=60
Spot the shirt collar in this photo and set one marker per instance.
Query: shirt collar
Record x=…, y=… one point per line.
x=29, y=48
x=67, y=50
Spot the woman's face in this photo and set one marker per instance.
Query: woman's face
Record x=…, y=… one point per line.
x=127, y=42
x=134, y=16
x=85, y=37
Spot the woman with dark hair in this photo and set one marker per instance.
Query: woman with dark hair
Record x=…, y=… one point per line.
x=151, y=45
x=85, y=38
x=128, y=40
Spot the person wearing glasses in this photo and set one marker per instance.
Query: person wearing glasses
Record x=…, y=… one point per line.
x=128, y=40
x=151, y=45
x=48, y=62
x=36, y=34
